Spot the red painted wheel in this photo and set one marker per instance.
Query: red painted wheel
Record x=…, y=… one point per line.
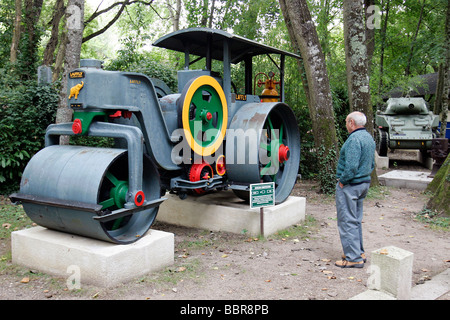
x=202, y=171
x=220, y=166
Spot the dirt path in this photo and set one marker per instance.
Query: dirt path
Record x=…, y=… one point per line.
x=295, y=265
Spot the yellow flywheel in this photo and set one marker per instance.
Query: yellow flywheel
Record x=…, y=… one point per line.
x=204, y=115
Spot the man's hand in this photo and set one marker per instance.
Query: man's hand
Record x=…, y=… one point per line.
x=341, y=185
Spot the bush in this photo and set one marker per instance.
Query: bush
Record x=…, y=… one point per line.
x=26, y=109
x=130, y=59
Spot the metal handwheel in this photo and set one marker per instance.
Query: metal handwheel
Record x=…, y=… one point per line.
x=204, y=115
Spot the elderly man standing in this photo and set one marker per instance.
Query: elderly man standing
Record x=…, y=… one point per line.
x=355, y=165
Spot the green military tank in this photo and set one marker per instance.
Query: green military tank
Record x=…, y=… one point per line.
x=406, y=123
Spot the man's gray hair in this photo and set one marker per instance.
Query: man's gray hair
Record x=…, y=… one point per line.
x=359, y=118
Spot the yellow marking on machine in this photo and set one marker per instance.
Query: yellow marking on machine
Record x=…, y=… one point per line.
x=75, y=90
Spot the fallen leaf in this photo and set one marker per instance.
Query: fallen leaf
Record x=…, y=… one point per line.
x=384, y=251
x=224, y=256
x=425, y=270
x=351, y=278
x=181, y=269
x=268, y=280
x=6, y=225
x=25, y=280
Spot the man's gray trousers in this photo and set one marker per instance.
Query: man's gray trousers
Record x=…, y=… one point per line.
x=349, y=205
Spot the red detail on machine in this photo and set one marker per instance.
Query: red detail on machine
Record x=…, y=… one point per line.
x=127, y=114
x=283, y=153
x=220, y=165
x=200, y=171
x=208, y=116
x=139, y=198
x=118, y=114
x=77, y=128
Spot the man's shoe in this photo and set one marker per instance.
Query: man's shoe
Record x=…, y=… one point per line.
x=349, y=264
x=363, y=256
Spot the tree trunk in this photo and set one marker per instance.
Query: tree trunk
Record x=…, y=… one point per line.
x=211, y=14
x=439, y=89
x=440, y=187
x=322, y=27
x=32, y=13
x=413, y=41
x=356, y=60
x=446, y=67
x=17, y=31
x=370, y=32
x=383, y=44
x=75, y=26
x=59, y=61
x=304, y=35
x=357, y=63
x=174, y=14
x=53, y=41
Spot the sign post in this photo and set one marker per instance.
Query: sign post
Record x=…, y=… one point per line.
x=262, y=195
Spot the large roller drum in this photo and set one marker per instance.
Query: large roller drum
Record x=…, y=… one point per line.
x=68, y=188
x=263, y=145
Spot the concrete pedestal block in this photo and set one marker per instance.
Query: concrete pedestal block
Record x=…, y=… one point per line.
x=381, y=162
x=392, y=271
x=417, y=180
x=223, y=211
x=91, y=261
x=411, y=155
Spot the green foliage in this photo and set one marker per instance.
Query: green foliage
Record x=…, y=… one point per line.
x=26, y=109
x=7, y=11
x=299, y=231
x=423, y=53
x=130, y=59
x=326, y=160
x=434, y=218
x=12, y=218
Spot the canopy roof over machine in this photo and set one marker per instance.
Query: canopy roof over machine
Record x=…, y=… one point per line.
x=209, y=43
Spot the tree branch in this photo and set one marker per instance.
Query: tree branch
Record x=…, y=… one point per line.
x=113, y=20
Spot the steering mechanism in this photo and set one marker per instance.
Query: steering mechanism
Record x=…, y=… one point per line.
x=269, y=94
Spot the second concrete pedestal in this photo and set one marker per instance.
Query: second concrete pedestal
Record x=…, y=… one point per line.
x=223, y=211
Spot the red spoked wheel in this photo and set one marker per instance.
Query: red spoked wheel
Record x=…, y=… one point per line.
x=220, y=166
x=201, y=171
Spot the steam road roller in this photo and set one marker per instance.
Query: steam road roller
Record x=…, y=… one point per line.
x=207, y=137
